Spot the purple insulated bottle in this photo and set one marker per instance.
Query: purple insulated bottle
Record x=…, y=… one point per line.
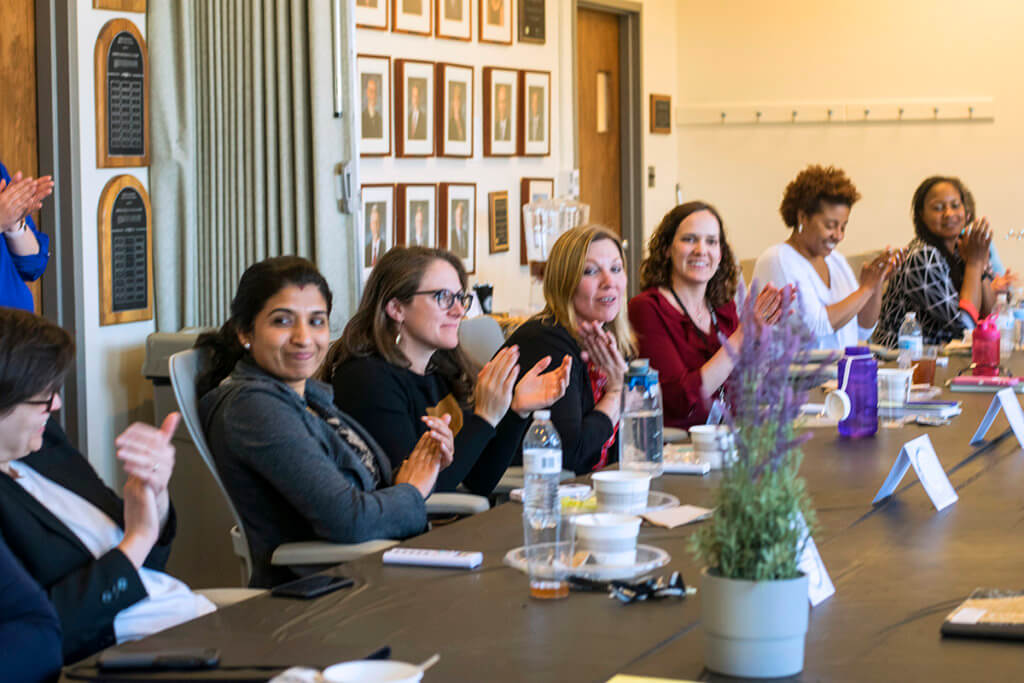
x=858, y=377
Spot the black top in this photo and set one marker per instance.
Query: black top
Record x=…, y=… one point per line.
x=391, y=413
x=582, y=429
x=87, y=592
x=29, y=628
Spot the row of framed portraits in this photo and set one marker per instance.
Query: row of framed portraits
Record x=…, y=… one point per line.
x=430, y=109
x=454, y=18
x=441, y=215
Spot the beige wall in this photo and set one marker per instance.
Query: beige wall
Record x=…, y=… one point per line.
x=802, y=51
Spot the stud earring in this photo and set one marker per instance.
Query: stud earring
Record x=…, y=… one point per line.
x=247, y=345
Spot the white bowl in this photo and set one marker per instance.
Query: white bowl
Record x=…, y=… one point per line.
x=372, y=671
x=609, y=538
x=622, y=490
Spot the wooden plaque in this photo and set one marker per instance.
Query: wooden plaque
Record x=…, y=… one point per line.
x=498, y=214
x=122, y=96
x=126, y=252
x=120, y=5
x=661, y=114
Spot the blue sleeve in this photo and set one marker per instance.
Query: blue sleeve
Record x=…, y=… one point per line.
x=30, y=641
x=29, y=267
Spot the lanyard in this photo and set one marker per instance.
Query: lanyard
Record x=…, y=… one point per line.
x=714, y=318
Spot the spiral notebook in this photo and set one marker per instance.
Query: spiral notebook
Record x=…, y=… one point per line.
x=988, y=613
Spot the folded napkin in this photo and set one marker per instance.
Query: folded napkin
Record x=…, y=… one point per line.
x=670, y=518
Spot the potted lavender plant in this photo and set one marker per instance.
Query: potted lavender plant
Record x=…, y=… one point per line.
x=754, y=605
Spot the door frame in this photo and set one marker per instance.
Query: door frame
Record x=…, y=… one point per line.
x=630, y=14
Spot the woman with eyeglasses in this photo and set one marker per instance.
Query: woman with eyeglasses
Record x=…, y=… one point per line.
x=296, y=467
x=403, y=342
x=98, y=557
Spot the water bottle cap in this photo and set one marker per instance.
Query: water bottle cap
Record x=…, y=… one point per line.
x=857, y=351
x=542, y=414
x=640, y=366
x=911, y=315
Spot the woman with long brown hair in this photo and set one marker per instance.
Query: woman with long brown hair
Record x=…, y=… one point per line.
x=686, y=308
x=403, y=342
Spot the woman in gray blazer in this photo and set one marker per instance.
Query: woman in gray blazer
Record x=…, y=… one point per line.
x=296, y=467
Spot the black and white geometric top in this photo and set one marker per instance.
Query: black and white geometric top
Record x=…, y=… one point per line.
x=922, y=285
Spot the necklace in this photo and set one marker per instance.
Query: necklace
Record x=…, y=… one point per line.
x=697, y=323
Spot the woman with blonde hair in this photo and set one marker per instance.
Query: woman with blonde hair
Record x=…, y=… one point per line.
x=584, y=318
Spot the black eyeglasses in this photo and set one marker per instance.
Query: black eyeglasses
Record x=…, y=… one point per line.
x=48, y=402
x=446, y=298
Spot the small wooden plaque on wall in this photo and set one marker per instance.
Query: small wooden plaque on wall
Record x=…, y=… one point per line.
x=498, y=214
x=126, y=252
x=120, y=5
x=122, y=96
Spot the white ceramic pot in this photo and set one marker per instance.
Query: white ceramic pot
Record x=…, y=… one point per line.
x=375, y=670
x=753, y=629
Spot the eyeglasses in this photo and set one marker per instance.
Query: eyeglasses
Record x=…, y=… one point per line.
x=446, y=298
x=48, y=402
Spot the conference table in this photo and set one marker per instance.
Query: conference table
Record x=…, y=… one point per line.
x=899, y=567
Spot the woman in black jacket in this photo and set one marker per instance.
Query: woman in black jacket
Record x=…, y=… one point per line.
x=98, y=557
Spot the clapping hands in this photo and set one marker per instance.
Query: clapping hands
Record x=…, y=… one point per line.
x=21, y=197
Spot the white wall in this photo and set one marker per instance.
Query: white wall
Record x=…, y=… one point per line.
x=746, y=51
x=116, y=392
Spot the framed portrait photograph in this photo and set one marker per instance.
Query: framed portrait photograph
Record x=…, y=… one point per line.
x=661, y=114
x=457, y=222
x=454, y=110
x=416, y=223
x=531, y=190
x=374, y=105
x=412, y=16
x=496, y=21
x=501, y=100
x=372, y=14
x=534, y=113
x=378, y=201
x=454, y=19
x=532, y=21
x=497, y=213
x=414, y=108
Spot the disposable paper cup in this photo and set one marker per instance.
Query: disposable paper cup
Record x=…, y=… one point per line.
x=372, y=670
x=609, y=538
x=622, y=490
x=713, y=443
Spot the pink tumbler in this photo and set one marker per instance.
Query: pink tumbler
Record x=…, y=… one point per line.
x=985, y=348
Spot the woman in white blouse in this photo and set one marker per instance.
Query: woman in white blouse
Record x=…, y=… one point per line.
x=838, y=307
x=99, y=558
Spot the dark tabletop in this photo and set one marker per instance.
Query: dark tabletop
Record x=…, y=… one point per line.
x=899, y=568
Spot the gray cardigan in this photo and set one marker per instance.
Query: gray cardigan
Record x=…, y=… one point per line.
x=290, y=475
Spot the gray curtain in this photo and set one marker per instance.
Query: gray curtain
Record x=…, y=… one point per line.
x=232, y=158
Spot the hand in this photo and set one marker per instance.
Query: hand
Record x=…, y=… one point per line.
x=444, y=440
x=494, y=385
x=421, y=467
x=141, y=521
x=15, y=201
x=536, y=391
x=768, y=305
x=973, y=243
x=147, y=453
x=600, y=348
x=874, y=272
x=1003, y=283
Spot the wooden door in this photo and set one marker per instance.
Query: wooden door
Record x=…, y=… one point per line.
x=597, y=104
x=19, y=150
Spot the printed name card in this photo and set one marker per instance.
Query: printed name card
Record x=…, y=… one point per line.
x=819, y=584
x=1006, y=400
x=920, y=454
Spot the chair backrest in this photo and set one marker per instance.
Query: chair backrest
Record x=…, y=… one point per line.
x=184, y=369
x=480, y=338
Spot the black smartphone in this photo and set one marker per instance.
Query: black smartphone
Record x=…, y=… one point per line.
x=154, y=660
x=311, y=586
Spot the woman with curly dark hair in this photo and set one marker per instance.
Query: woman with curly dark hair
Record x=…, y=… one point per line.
x=686, y=308
x=839, y=308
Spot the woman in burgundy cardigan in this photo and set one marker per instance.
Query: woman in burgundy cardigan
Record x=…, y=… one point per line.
x=686, y=308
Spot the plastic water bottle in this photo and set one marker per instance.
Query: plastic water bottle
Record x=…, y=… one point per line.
x=1004, y=321
x=542, y=509
x=911, y=342
x=641, y=440
x=858, y=377
x=985, y=348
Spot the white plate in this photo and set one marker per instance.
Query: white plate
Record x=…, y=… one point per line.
x=648, y=558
